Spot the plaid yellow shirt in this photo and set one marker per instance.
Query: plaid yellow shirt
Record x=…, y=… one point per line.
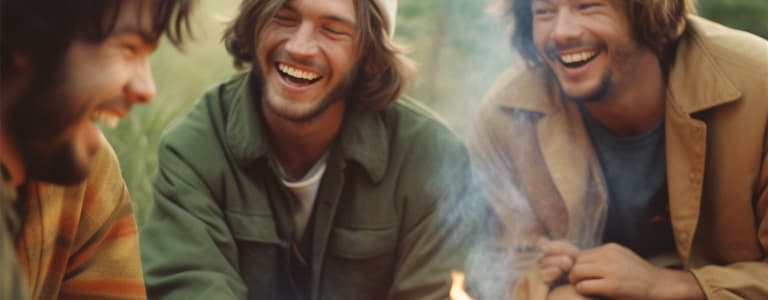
x=81, y=242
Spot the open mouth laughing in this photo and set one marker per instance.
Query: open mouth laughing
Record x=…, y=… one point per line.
x=108, y=118
x=297, y=76
x=577, y=59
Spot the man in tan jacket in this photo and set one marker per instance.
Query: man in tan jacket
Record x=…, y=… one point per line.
x=628, y=160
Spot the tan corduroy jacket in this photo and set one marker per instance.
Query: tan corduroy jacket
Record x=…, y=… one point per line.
x=534, y=154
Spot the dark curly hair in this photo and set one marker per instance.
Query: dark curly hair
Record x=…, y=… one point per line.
x=44, y=29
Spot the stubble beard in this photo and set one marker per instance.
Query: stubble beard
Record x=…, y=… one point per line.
x=291, y=111
x=624, y=64
x=596, y=95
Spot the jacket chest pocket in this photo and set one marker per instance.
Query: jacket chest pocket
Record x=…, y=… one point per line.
x=258, y=248
x=360, y=263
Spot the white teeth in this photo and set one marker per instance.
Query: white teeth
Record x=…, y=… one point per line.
x=108, y=119
x=577, y=57
x=306, y=75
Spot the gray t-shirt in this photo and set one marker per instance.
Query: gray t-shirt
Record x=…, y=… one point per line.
x=635, y=172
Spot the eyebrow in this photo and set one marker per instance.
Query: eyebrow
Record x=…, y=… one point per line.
x=335, y=18
x=149, y=38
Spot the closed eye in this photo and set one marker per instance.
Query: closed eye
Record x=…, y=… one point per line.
x=286, y=19
x=543, y=11
x=586, y=6
x=129, y=49
x=334, y=31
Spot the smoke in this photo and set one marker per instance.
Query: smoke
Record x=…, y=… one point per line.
x=461, y=50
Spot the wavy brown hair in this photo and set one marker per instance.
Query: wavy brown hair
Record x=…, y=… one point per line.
x=656, y=24
x=384, y=70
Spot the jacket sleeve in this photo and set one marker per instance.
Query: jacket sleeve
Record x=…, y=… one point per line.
x=105, y=261
x=745, y=280
x=187, y=249
x=514, y=229
x=439, y=220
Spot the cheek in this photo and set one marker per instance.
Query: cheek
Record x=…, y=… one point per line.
x=343, y=58
x=539, y=38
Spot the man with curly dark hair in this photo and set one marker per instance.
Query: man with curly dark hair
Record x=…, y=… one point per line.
x=67, y=65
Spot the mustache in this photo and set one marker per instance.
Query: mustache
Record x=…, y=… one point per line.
x=552, y=49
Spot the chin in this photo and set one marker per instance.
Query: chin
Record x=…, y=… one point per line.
x=593, y=94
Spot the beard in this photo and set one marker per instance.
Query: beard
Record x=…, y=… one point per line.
x=37, y=121
x=623, y=62
x=299, y=113
x=594, y=96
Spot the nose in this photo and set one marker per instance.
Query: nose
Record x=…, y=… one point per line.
x=141, y=86
x=302, y=43
x=567, y=27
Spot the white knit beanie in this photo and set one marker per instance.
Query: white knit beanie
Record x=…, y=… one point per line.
x=389, y=9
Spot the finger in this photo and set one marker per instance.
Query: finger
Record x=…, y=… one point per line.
x=557, y=248
x=602, y=254
x=597, y=287
x=550, y=275
x=585, y=271
x=562, y=262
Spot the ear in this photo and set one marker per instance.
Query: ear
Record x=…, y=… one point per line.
x=17, y=77
x=369, y=66
x=21, y=61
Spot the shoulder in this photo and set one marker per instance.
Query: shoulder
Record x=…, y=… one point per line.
x=208, y=112
x=413, y=122
x=521, y=93
x=519, y=88
x=200, y=131
x=733, y=50
x=423, y=148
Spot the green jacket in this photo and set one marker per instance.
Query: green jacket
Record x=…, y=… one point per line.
x=383, y=223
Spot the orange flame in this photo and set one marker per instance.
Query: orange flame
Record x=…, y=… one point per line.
x=457, y=287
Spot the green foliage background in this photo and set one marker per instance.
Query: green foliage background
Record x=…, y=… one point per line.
x=459, y=46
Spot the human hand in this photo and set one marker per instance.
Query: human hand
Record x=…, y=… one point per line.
x=616, y=272
x=557, y=260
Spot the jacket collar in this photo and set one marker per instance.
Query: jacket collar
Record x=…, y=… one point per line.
x=363, y=136
x=696, y=81
x=529, y=89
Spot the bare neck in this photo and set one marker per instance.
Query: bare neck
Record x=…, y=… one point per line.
x=635, y=105
x=300, y=145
